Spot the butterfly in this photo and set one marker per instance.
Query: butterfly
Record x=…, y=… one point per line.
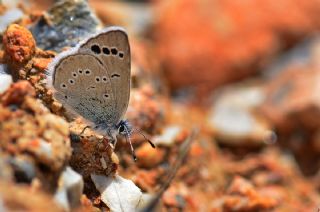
x=93, y=80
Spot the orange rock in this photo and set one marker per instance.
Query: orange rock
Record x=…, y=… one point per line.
x=208, y=43
x=243, y=196
x=169, y=197
x=17, y=92
x=33, y=136
x=149, y=157
x=13, y=197
x=196, y=150
x=241, y=186
x=41, y=63
x=91, y=154
x=19, y=44
x=293, y=100
x=146, y=180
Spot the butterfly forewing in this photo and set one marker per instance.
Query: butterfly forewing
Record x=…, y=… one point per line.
x=83, y=85
x=112, y=49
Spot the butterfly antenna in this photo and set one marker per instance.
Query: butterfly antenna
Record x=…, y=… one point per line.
x=130, y=143
x=150, y=142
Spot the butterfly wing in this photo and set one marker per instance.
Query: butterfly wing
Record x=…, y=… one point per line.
x=112, y=48
x=83, y=85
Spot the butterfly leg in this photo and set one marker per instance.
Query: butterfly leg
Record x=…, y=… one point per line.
x=111, y=135
x=127, y=135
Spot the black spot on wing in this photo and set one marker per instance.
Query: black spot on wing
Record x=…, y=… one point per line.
x=91, y=87
x=114, y=51
x=96, y=49
x=106, y=50
x=115, y=75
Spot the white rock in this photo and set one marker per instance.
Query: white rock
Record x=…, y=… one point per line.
x=70, y=189
x=8, y=17
x=119, y=194
x=62, y=199
x=5, y=81
x=168, y=136
x=233, y=118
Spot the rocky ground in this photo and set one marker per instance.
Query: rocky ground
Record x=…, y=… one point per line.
x=227, y=91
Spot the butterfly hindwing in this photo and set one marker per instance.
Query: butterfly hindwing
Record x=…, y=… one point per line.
x=83, y=85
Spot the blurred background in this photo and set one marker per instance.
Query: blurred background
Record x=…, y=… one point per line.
x=247, y=73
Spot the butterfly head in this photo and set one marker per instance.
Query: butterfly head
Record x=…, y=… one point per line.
x=124, y=128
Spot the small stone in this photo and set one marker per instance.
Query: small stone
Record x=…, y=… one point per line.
x=117, y=193
x=56, y=106
x=241, y=186
x=196, y=150
x=5, y=82
x=168, y=136
x=70, y=188
x=243, y=196
x=232, y=118
x=172, y=198
x=9, y=17
x=88, y=153
x=41, y=63
x=23, y=168
x=17, y=92
x=149, y=157
x=292, y=99
x=146, y=180
x=19, y=197
x=19, y=44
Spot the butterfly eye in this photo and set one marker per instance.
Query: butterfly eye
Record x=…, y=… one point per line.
x=121, y=129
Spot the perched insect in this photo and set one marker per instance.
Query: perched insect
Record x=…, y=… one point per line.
x=93, y=80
